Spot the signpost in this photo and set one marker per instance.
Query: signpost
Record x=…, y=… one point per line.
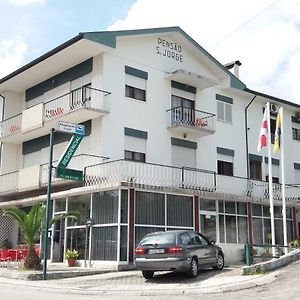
x=78, y=132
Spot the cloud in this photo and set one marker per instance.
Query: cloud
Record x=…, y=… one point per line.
x=12, y=54
x=26, y=2
x=263, y=34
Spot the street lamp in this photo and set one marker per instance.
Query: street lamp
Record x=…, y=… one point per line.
x=88, y=224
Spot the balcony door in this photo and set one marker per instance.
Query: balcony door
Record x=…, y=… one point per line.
x=183, y=111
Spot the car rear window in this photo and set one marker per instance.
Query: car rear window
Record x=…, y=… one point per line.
x=159, y=239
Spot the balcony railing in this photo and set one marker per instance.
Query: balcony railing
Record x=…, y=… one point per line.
x=81, y=98
x=192, y=118
x=84, y=97
x=162, y=177
x=11, y=126
x=9, y=182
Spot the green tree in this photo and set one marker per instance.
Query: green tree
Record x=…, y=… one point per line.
x=31, y=225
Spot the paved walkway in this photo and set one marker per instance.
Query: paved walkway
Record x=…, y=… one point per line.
x=109, y=281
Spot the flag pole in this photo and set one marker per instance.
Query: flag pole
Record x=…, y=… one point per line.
x=270, y=180
x=283, y=181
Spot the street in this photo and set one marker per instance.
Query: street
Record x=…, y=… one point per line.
x=131, y=285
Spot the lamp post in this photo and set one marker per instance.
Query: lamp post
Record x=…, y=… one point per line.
x=88, y=224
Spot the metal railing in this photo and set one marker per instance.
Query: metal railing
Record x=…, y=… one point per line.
x=162, y=176
x=11, y=126
x=9, y=182
x=78, y=162
x=84, y=97
x=184, y=116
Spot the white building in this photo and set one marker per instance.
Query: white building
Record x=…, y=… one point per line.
x=171, y=135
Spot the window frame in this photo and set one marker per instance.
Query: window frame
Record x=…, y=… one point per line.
x=224, y=105
x=226, y=163
x=132, y=156
x=296, y=134
x=132, y=92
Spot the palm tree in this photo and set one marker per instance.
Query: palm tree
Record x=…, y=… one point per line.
x=31, y=226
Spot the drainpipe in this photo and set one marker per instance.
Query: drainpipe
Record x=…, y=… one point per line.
x=246, y=134
x=2, y=117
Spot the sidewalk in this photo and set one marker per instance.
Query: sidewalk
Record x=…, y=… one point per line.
x=108, y=281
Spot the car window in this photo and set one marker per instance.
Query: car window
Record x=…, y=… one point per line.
x=159, y=239
x=195, y=239
x=185, y=239
x=204, y=241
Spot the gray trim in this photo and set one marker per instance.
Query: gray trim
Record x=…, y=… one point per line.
x=183, y=87
x=255, y=157
x=59, y=79
x=225, y=151
x=224, y=98
x=183, y=143
x=136, y=72
x=275, y=162
x=136, y=133
x=296, y=166
x=44, y=141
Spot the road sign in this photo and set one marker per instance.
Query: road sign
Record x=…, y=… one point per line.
x=71, y=128
x=70, y=150
x=69, y=174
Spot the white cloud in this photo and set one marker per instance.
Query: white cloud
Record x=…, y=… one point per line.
x=263, y=34
x=11, y=55
x=26, y=2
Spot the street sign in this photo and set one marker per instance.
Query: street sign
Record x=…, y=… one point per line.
x=69, y=174
x=70, y=150
x=71, y=128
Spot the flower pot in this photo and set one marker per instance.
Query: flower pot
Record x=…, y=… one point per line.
x=71, y=262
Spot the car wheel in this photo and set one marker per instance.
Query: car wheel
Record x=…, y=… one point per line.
x=148, y=274
x=220, y=262
x=193, y=271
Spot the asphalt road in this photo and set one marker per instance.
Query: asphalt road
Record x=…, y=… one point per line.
x=131, y=285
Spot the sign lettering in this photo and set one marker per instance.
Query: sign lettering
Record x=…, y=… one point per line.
x=169, y=49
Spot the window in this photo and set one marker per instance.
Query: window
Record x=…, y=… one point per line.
x=183, y=111
x=274, y=179
x=225, y=168
x=224, y=111
x=255, y=169
x=273, y=129
x=296, y=134
x=135, y=93
x=135, y=156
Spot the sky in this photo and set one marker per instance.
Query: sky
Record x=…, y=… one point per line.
x=263, y=34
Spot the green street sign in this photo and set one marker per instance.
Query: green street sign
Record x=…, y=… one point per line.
x=69, y=152
x=69, y=174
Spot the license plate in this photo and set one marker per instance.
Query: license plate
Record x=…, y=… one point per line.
x=156, y=251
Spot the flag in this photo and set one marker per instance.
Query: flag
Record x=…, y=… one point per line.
x=277, y=133
x=262, y=141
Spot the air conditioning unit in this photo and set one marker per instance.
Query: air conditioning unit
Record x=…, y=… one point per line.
x=274, y=108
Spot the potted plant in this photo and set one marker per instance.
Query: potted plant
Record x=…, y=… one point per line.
x=71, y=256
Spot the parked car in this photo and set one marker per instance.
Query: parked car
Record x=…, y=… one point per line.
x=178, y=250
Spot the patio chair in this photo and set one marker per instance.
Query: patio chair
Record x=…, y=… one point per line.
x=5, y=258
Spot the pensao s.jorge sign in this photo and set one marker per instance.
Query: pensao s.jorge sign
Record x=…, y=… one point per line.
x=169, y=49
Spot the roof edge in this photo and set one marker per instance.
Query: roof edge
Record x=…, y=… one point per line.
x=43, y=57
x=272, y=98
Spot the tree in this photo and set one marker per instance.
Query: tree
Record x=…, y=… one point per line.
x=31, y=225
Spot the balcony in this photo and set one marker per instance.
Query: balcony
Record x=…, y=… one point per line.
x=194, y=181
x=10, y=183
x=77, y=106
x=184, y=120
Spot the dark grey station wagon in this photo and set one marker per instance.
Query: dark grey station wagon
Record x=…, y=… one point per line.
x=178, y=250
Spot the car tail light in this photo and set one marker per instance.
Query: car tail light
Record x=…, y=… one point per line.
x=139, y=250
x=175, y=249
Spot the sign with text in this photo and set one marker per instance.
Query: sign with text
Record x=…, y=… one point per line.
x=71, y=128
x=70, y=174
x=70, y=150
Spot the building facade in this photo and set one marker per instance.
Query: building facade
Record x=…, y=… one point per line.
x=170, y=143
